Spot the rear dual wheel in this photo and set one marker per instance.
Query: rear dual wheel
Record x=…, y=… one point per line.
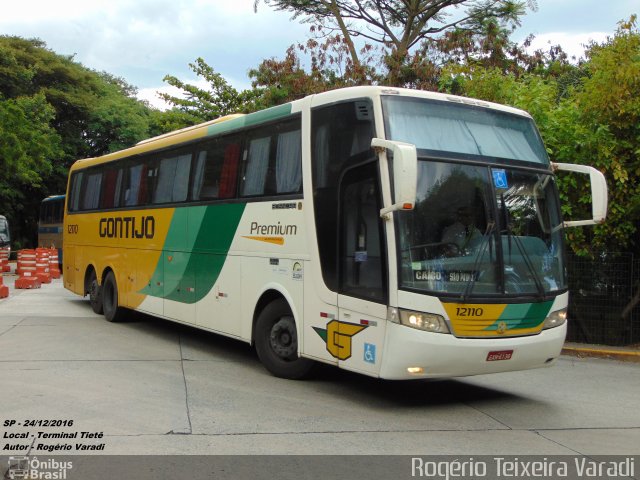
x=95, y=293
x=112, y=312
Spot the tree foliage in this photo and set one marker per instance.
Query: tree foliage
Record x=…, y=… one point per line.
x=399, y=26
x=54, y=111
x=201, y=104
x=587, y=113
x=331, y=66
x=28, y=143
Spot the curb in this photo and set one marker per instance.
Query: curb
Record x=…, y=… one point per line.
x=622, y=355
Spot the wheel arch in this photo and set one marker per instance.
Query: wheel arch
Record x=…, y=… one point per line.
x=91, y=267
x=270, y=294
x=105, y=272
x=87, y=277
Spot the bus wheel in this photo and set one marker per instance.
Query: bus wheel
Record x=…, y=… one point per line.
x=95, y=294
x=112, y=312
x=277, y=342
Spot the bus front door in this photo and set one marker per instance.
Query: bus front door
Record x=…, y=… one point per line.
x=362, y=299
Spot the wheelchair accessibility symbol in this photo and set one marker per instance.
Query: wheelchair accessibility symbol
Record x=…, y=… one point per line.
x=500, y=179
x=369, y=353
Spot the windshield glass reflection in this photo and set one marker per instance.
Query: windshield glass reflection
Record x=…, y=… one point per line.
x=478, y=231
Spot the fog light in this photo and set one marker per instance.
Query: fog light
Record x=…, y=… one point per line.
x=415, y=370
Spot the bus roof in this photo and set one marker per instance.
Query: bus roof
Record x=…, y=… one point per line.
x=341, y=94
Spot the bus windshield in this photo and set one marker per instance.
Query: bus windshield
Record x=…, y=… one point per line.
x=482, y=231
x=463, y=130
x=482, y=225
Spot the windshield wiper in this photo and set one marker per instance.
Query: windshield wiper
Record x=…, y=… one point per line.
x=483, y=246
x=523, y=252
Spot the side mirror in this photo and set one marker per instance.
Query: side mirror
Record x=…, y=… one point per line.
x=598, y=192
x=405, y=174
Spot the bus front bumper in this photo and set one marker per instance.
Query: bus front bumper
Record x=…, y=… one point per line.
x=411, y=354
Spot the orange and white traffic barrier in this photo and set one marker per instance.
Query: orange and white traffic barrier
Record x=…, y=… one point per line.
x=4, y=260
x=27, y=270
x=42, y=265
x=4, y=290
x=54, y=268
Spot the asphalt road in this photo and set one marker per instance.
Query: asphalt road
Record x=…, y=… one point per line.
x=151, y=387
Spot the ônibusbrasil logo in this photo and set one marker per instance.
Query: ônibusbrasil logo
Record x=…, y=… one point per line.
x=24, y=467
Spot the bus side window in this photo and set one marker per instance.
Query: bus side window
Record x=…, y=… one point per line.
x=172, y=182
x=272, y=160
x=91, y=191
x=229, y=173
x=289, y=162
x=149, y=181
x=216, y=170
x=76, y=183
x=256, y=166
x=109, y=191
x=132, y=185
x=58, y=213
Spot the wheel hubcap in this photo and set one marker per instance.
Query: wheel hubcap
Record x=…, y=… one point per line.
x=283, y=339
x=93, y=291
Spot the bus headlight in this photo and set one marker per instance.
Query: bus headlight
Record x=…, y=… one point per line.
x=429, y=322
x=555, y=319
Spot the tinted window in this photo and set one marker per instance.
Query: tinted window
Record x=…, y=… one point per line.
x=341, y=137
x=272, y=160
x=76, y=183
x=91, y=191
x=111, y=188
x=133, y=185
x=362, y=255
x=256, y=168
x=216, y=169
x=173, y=178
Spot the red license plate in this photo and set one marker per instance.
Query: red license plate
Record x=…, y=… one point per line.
x=500, y=355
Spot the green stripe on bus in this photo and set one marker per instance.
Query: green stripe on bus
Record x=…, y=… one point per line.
x=268, y=114
x=523, y=315
x=206, y=251
x=249, y=120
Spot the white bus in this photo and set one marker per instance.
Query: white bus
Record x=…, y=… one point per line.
x=396, y=233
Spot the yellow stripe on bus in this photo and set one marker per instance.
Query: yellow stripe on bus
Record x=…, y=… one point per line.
x=274, y=240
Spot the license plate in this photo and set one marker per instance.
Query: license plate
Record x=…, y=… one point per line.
x=500, y=355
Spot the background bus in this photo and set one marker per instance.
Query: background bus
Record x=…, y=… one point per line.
x=5, y=235
x=325, y=230
x=50, y=223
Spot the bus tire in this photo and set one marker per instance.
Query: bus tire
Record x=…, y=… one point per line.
x=95, y=293
x=276, y=341
x=112, y=312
